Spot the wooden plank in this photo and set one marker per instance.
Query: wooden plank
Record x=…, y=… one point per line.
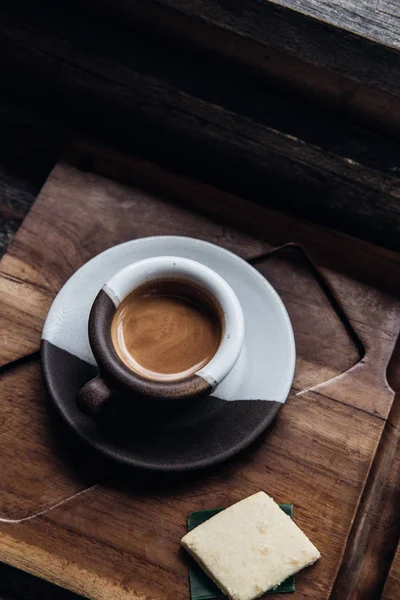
x=378, y=20
x=358, y=40
x=233, y=131
x=238, y=212
x=250, y=57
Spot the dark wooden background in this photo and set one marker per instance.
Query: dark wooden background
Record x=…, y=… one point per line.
x=250, y=97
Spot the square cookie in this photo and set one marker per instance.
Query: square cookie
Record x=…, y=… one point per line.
x=201, y=586
x=250, y=547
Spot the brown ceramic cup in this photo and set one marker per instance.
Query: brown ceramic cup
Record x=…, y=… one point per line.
x=117, y=379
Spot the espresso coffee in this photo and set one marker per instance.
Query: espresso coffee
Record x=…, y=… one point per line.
x=166, y=330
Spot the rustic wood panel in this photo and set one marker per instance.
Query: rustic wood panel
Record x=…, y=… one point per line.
x=374, y=19
x=329, y=245
x=323, y=87
x=42, y=468
x=319, y=33
x=309, y=46
x=199, y=116
x=120, y=538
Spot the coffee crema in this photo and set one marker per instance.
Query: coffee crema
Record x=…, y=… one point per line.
x=166, y=330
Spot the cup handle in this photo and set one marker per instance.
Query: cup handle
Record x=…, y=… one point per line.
x=93, y=395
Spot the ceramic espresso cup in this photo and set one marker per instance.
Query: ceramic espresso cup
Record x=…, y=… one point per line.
x=117, y=378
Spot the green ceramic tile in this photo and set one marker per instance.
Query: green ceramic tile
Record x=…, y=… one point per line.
x=201, y=586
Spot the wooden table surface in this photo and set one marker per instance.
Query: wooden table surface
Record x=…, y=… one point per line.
x=25, y=168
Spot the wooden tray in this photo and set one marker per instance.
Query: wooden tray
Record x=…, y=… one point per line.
x=65, y=517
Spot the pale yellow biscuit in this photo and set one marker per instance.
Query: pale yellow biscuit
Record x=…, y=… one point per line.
x=250, y=547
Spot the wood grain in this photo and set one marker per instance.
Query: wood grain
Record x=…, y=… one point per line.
x=376, y=530
x=318, y=360
x=20, y=328
x=120, y=539
x=198, y=116
x=44, y=467
x=375, y=19
x=319, y=33
x=238, y=212
x=272, y=66
x=317, y=455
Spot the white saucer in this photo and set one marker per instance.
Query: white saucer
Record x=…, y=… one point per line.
x=263, y=374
